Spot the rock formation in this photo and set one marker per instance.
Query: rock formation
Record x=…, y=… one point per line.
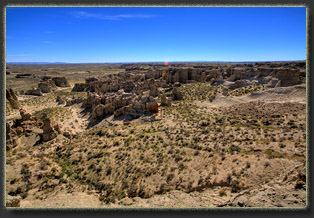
x=79, y=87
x=61, y=81
x=22, y=127
x=11, y=99
x=49, y=132
x=24, y=115
x=132, y=93
x=47, y=86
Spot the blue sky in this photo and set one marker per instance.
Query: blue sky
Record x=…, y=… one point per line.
x=143, y=34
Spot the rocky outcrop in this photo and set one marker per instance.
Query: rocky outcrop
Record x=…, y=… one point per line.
x=119, y=103
x=49, y=132
x=288, y=77
x=12, y=99
x=61, y=81
x=47, y=86
x=58, y=81
x=132, y=94
x=25, y=115
x=102, y=110
x=34, y=91
x=22, y=130
x=79, y=87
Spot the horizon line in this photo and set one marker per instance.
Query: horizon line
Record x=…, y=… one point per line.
x=135, y=62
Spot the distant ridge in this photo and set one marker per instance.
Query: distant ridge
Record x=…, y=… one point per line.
x=37, y=63
x=157, y=62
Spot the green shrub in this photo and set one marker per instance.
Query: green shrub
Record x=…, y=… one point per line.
x=222, y=193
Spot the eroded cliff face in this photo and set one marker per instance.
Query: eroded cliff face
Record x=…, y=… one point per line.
x=112, y=94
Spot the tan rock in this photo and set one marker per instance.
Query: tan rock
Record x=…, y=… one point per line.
x=61, y=81
x=47, y=86
x=49, y=132
x=12, y=98
x=25, y=115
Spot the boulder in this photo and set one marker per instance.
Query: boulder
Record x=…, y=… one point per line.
x=25, y=115
x=152, y=107
x=19, y=130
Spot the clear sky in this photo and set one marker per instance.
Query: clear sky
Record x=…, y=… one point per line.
x=143, y=34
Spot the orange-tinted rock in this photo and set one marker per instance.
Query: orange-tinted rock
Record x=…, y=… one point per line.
x=153, y=107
